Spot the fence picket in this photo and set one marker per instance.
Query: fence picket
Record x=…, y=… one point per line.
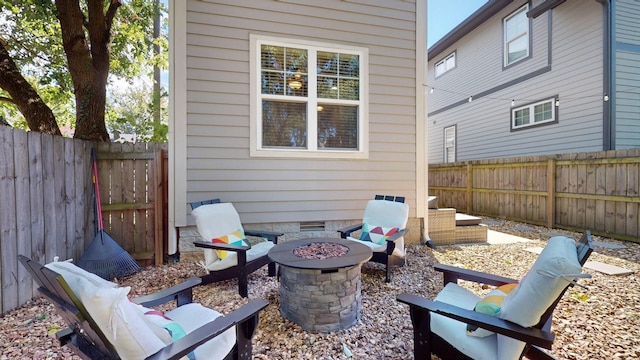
x=8, y=222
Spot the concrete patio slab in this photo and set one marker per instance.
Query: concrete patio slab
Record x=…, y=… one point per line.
x=608, y=245
x=491, y=222
x=607, y=268
x=496, y=237
x=523, y=228
x=536, y=250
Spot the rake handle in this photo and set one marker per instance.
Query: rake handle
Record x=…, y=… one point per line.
x=97, y=189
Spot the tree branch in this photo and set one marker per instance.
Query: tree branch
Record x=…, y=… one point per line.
x=111, y=13
x=7, y=100
x=38, y=115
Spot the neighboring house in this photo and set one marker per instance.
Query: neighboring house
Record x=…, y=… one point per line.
x=297, y=111
x=521, y=78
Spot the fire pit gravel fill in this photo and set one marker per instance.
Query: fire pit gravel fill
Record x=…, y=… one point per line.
x=321, y=250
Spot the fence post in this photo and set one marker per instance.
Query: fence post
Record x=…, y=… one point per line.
x=551, y=193
x=469, y=188
x=157, y=182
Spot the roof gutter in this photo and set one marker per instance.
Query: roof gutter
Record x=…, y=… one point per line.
x=543, y=7
x=608, y=79
x=476, y=19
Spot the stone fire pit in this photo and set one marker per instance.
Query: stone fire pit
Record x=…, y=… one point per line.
x=320, y=287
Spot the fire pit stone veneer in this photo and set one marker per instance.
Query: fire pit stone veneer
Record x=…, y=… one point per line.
x=317, y=293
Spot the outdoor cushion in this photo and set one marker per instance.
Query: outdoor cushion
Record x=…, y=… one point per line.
x=376, y=234
x=155, y=320
x=133, y=334
x=454, y=332
x=524, y=305
x=387, y=215
x=192, y=316
x=120, y=321
x=109, y=306
x=375, y=247
x=551, y=273
x=215, y=221
x=257, y=250
x=72, y=274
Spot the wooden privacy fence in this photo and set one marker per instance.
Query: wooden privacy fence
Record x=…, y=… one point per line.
x=47, y=202
x=46, y=199
x=596, y=190
x=132, y=193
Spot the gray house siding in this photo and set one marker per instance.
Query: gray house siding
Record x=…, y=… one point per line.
x=627, y=74
x=627, y=19
x=566, y=62
x=267, y=190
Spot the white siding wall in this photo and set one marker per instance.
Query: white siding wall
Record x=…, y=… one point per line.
x=483, y=126
x=268, y=190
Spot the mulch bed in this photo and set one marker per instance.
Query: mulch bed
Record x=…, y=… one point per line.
x=601, y=323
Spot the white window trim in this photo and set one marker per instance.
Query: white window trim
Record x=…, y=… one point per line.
x=453, y=145
x=505, y=41
x=554, y=114
x=256, y=98
x=444, y=61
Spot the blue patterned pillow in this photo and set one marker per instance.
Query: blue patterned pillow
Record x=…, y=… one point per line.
x=173, y=328
x=376, y=234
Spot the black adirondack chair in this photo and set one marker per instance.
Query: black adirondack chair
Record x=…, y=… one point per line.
x=88, y=340
x=385, y=212
x=430, y=339
x=215, y=220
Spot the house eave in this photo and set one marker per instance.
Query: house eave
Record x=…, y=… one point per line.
x=543, y=7
x=476, y=19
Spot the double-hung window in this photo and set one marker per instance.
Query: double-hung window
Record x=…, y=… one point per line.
x=446, y=64
x=516, y=36
x=308, y=99
x=450, y=144
x=534, y=114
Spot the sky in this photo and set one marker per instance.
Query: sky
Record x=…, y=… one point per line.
x=444, y=15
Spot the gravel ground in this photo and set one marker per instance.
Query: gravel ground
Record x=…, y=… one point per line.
x=602, y=322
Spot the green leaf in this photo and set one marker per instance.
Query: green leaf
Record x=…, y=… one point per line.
x=53, y=329
x=579, y=296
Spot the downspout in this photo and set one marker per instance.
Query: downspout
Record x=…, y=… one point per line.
x=608, y=78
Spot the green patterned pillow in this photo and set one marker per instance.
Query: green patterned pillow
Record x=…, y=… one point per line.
x=235, y=238
x=376, y=234
x=490, y=304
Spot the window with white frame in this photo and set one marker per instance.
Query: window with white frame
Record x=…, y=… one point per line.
x=533, y=114
x=516, y=36
x=310, y=99
x=450, y=144
x=446, y=64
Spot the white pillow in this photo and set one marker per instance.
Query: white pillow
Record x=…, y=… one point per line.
x=72, y=274
x=544, y=282
x=120, y=322
x=118, y=318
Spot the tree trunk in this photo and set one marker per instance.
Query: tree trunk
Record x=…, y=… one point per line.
x=156, y=72
x=88, y=64
x=38, y=115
